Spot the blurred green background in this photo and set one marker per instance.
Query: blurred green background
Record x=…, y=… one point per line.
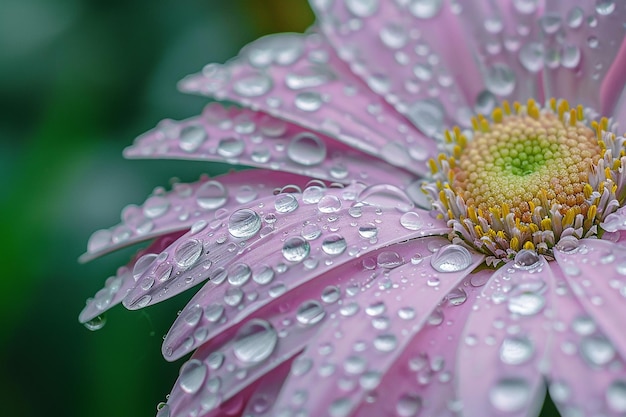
x=79, y=80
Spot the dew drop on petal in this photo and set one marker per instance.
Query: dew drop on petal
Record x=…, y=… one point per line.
x=510, y=394
x=188, y=253
x=191, y=137
x=244, y=223
x=310, y=312
x=211, y=195
x=368, y=231
x=605, y=7
x=329, y=204
x=239, y=274
x=308, y=101
x=253, y=86
x=192, y=376
x=516, y=350
x=411, y=221
x=451, y=258
x=500, y=79
x=96, y=323
x=230, y=147
x=334, y=245
x=155, y=206
x=427, y=115
x=385, y=196
x=306, y=149
x=285, y=203
x=425, y=9
x=526, y=303
x=385, y=342
x=616, y=396
x=99, y=240
x=597, y=350
x=389, y=260
x=527, y=259
x=296, y=249
x=255, y=341
x=409, y=405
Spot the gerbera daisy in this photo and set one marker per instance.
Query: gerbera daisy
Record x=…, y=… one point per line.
x=434, y=230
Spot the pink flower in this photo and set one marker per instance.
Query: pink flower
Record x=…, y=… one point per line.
x=383, y=261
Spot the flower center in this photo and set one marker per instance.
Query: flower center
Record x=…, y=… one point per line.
x=528, y=177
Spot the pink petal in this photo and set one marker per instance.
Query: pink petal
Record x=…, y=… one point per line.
x=262, y=273
x=118, y=286
x=366, y=343
x=596, y=272
x=176, y=210
x=587, y=376
x=284, y=327
x=403, y=52
x=299, y=78
x=504, y=343
x=587, y=37
x=241, y=136
x=421, y=380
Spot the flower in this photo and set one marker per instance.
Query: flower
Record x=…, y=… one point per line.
x=430, y=233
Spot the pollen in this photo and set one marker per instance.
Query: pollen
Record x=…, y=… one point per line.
x=528, y=175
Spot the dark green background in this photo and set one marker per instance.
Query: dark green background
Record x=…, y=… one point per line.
x=79, y=80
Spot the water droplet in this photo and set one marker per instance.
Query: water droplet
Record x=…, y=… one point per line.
x=525, y=6
x=531, y=56
x=385, y=196
x=285, y=203
x=329, y=204
x=597, y=350
x=244, y=223
x=306, y=149
x=296, y=249
x=334, y=245
x=406, y=313
x=362, y=8
x=308, y=101
x=451, y=258
x=233, y=296
x=427, y=115
x=155, y=206
x=570, y=56
x=500, y=79
x=239, y=274
x=411, y=221
x=213, y=312
x=142, y=265
x=389, y=260
x=312, y=194
x=575, y=17
x=187, y=253
x=99, y=240
x=230, y=147
x=616, y=396
x=191, y=137
x=342, y=406
x=385, y=342
x=253, y=86
x=516, y=350
x=393, y=35
x=310, y=312
x=527, y=259
x=163, y=410
x=567, y=244
x=96, y=323
x=425, y=9
x=409, y=405
x=311, y=231
x=211, y=195
x=456, y=297
x=331, y=294
x=510, y=394
x=368, y=231
x=255, y=341
x=605, y=7
x=593, y=42
x=526, y=303
x=308, y=77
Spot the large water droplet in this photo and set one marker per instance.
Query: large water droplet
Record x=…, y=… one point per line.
x=296, y=249
x=616, y=396
x=597, y=350
x=211, y=195
x=188, y=253
x=526, y=303
x=411, y=221
x=385, y=342
x=362, y=8
x=309, y=77
x=244, y=223
x=255, y=341
x=451, y=258
x=605, y=7
x=191, y=137
x=527, y=259
x=393, y=35
x=308, y=101
x=307, y=149
x=531, y=56
x=239, y=274
x=389, y=260
x=230, y=147
x=192, y=376
x=385, y=196
x=253, y=86
x=425, y=9
x=516, y=350
x=285, y=203
x=334, y=245
x=510, y=394
x=310, y=312
x=155, y=206
x=500, y=79
x=329, y=204
x=427, y=115
x=409, y=405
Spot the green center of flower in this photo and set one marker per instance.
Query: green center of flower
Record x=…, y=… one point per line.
x=527, y=177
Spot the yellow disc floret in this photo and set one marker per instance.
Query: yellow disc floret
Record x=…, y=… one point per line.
x=528, y=177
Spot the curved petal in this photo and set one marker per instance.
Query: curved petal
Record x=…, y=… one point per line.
x=501, y=357
x=310, y=247
x=117, y=287
x=275, y=333
x=241, y=136
x=384, y=321
x=209, y=200
x=420, y=382
x=583, y=47
x=587, y=376
x=402, y=51
x=299, y=78
x=596, y=272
